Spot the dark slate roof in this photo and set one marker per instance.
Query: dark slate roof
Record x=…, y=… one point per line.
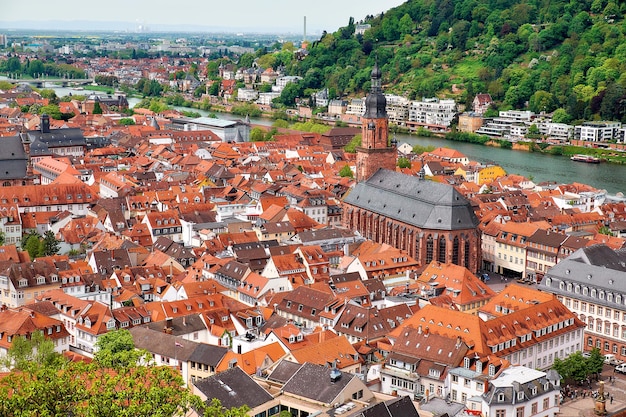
x=208, y=354
x=13, y=159
x=180, y=325
x=234, y=388
x=397, y=407
x=596, y=267
x=58, y=137
x=601, y=255
x=313, y=382
x=162, y=343
x=408, y=199
x=284, y=371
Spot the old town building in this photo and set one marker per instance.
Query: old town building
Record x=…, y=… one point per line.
x=591, y=283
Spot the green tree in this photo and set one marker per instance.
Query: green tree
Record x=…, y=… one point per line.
x=404, y=162
x=127, y=121
x=561, y=116
x=49, y=245
x=346, y=172
x=257, y=134
x=32, y=350
x=420, y=149
x=97, y=109
x=51, y=110
x=2, y=238
x=605, y=230
x=353, y=144
x=32, y=244
x=214, y=408
x=116, y=349
x=405, y=25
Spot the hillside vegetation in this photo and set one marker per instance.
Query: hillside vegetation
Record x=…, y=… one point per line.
x=544, y=55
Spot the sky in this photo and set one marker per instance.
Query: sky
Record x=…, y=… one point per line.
x=271, y=16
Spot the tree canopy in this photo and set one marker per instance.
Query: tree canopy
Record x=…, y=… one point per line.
x=43, y=383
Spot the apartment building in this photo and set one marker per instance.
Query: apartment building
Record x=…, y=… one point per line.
x=597, y=131
x=432, y=112
x=591, y=282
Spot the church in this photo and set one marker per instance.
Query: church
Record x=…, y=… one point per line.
x=428, y=220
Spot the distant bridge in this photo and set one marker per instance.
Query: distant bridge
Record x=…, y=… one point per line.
x=64, y=82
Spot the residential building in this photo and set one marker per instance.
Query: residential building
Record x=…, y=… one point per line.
x=25, y=322
x=591, y=282
x=597, y=131
x=521, y=391
x=22, y=282
x=432, y=112
x=419, y=362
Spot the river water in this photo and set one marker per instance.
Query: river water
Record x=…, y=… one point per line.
x=539, y=167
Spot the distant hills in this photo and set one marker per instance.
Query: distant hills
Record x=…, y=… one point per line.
x=544, y=55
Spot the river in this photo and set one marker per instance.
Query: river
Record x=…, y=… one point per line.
x=539, y=167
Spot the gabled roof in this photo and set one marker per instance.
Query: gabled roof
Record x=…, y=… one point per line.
x=234, y=388
x=313, y=382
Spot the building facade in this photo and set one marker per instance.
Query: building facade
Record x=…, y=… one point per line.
x=591, y=282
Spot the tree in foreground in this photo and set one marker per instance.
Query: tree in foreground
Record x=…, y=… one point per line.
x=42, y=383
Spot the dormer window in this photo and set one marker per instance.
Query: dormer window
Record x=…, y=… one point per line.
x=492, y=370
x=520, y=395
x=466, y=363
x=501, y=397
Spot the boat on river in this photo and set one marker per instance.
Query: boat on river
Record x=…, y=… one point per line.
x=586, y=158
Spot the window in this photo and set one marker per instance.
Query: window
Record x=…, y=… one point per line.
x=546, y=403
x=533, y=408
x=519, y=412
x=500, y=413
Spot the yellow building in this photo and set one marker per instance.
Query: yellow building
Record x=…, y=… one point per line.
x=490, y=174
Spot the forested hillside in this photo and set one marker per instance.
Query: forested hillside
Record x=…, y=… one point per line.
x=542, y=55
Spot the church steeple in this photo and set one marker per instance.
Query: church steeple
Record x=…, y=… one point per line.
x=375, y=151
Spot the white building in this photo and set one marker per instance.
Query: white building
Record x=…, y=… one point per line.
x=247, y=94
x=356, y=107
x=266, y=98
x=597, y=131
x=432, y=111
x=521, y=391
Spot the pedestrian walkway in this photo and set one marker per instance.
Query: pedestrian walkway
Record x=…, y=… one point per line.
x=583, y=407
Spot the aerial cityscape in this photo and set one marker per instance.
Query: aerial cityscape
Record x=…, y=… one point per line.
x=403, y=209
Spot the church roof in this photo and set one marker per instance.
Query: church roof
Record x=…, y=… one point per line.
x=13, y=159
x=425, y=204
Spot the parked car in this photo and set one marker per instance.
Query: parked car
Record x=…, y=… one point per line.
x=610, y=359
x=485, y=277
x=586, y=355
x=621, y=368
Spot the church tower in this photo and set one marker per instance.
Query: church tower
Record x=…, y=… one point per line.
x=375, y=151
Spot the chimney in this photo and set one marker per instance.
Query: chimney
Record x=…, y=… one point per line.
x=45, y=123
x=426, y=331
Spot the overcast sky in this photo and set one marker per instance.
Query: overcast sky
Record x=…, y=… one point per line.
x=235, y=15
